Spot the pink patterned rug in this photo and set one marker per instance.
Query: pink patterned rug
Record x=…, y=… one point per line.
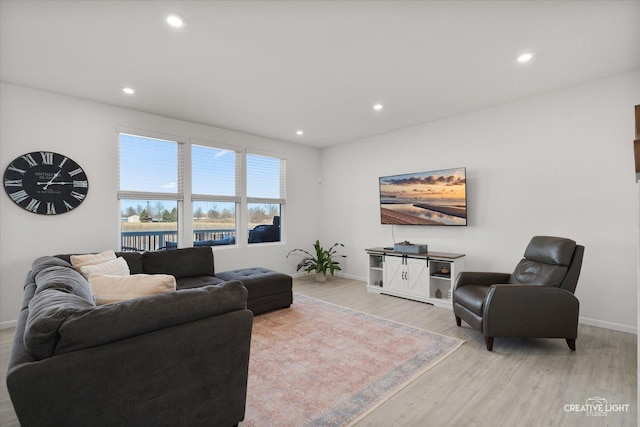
x=319, y=364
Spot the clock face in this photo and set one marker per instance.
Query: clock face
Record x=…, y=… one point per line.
x=45, y=183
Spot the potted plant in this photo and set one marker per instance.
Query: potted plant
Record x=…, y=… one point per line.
x=321, y=262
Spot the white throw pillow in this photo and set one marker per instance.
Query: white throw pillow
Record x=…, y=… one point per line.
x=78, y=261
x=109, y=289
x=116, y=267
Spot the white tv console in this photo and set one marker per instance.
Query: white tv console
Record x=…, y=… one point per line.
x=426, y=277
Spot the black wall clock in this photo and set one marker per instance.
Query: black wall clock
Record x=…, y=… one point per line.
x=46, y=183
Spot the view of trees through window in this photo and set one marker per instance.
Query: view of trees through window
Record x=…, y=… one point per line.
x=262, y=214
x=152, y=212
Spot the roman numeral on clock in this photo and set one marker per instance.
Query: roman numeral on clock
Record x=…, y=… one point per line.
x=75, y=172
x=30, y=160
x=51, y=209
x=19, y=196
x=47, y=157
x=33, y=205
x=77, y=195
x=15, y=169
x=13, y=183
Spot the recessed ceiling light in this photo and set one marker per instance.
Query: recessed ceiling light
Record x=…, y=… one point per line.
x=299, y=132
x=378, y=107
x=525, y=57
x=128, y=90
x=175, y=21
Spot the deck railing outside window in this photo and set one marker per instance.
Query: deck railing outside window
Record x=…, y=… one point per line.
x=154, y=240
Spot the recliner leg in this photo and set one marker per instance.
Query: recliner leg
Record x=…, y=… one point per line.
x=458, y=321
x=489, y=342
x=571, y=343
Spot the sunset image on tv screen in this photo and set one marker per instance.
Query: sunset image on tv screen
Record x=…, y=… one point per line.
x=424, y=198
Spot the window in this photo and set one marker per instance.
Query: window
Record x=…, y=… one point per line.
x=265, y=197
x=223, y=186
x=150, y=189
x=215, y=195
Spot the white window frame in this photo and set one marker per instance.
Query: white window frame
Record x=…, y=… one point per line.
x=179, y=195
x=237, y=199
x=282, y=200
x=184, y=190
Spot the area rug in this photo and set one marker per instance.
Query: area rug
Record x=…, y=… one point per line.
x=319, y=364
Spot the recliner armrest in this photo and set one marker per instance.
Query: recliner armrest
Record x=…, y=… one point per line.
x=530, y=311
x=477, y=278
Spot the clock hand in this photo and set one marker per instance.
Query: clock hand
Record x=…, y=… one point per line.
x=51, y=180
x=54, y=183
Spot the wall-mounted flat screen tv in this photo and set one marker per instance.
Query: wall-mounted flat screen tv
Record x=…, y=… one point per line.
x=424, y=198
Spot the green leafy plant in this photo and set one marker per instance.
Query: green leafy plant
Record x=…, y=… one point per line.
x=322, y=261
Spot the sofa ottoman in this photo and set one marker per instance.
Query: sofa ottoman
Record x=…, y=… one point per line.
x=268, y=289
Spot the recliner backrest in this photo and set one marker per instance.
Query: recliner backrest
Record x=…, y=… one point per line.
x=547, y=262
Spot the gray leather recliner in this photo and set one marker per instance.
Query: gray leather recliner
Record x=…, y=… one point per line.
x=535, y=301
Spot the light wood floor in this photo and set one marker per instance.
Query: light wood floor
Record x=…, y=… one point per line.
x=521, y=383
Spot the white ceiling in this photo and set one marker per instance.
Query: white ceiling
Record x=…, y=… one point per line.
x=270, y=68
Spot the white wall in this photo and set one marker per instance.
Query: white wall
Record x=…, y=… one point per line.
x=556, y=164
x=32, y=120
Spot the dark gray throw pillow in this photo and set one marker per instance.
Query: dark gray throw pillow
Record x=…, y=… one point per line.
x=187, y=262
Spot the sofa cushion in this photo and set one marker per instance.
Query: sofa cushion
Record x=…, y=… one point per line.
x=186, y=262
x=48, y=309
x=109, y=289
x=112, y=322
x=44, y=262
x=65, y=279
x=78, y=261
x=134, y=260
x=116, y=267
x=197, y=282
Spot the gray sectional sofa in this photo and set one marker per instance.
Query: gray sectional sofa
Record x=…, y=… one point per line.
x=174, y=359
x=195, y=267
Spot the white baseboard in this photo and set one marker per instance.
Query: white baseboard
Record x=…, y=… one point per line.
x=8, y=324
x=299, y=274
x=608, y=325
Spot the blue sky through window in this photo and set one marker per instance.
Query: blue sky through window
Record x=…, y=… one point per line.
x=263, y=176
x=213, y=171
x=148, y=164
x=151, y=165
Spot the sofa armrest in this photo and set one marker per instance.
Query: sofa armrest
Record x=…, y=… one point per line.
x=118, y=321
x=477, y=278
x=530, y=311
